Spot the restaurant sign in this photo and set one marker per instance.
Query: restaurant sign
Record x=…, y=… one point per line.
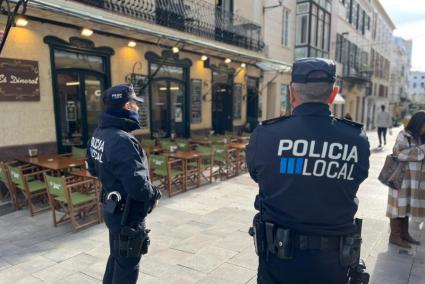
x=19, y=80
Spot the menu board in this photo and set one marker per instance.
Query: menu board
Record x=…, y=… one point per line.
x=196, y=101
x=237, y=101
x=139, y=81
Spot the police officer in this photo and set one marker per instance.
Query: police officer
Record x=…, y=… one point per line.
x=309, y=167
x=118, y=160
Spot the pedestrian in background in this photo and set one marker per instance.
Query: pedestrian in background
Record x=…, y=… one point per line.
x=383, y=122
x=409, y=200
x=348, y=116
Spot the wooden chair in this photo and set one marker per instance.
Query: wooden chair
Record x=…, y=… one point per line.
x=76, y=197
x=7, y=184
x=29, y=181
x=226, y=161
x=183, y=145
x=169, y=173
x=167, y=144
x=77, y=152
x=207, y=161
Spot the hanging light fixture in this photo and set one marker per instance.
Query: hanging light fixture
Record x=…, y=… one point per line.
x=132, y=43
x=204, y=57
x=243, y=65
x=227, y=60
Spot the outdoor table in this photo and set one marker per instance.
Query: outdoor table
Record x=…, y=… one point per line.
x=186, y=157
x=54, y=162
x=153, y=149
x=239, y=148
x=201, y=141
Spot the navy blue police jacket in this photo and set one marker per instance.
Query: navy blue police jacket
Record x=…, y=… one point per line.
x=117, y=159
x=309, y=167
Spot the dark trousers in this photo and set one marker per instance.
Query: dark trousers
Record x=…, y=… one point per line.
x=120, y=269
x=382, y=132
x=307, y=267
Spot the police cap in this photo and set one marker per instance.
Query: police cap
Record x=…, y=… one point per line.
x=313, y=70
x=120, y=94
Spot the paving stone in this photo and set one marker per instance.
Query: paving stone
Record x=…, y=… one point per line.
x=35, y=264
x=54, y=274
x=11, y=275
x=232, y=273
x=246, y=258
x=96, y=270
x=208, y=259
x=4, y=264
x=80, y=278
x=178, y=274
x=81, y=261
x=28, y=280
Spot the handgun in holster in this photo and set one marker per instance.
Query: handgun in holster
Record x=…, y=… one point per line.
x=133, y=240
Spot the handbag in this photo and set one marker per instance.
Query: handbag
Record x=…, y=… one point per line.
x=393, y=172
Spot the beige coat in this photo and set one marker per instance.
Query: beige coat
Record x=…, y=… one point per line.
x=409, y=200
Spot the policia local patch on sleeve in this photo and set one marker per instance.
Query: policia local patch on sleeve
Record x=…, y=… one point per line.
x=319, y=159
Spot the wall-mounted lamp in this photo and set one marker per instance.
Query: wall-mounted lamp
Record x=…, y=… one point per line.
x=175, y=49
x=243, y=65
x=204, y=57
x=21, y=22
x=86, y=32
x=132, y=43
x=227, y=60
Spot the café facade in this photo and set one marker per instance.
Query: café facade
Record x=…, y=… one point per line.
x=54, y=69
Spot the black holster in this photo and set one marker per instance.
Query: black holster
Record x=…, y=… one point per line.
x=133, y=242
x=257, y=231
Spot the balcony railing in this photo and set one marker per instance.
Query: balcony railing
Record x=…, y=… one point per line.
x=362, y=76
x=197, y=17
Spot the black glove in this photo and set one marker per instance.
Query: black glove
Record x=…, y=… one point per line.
x=157, y=196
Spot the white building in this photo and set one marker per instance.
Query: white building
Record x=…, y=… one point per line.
x=417, y=87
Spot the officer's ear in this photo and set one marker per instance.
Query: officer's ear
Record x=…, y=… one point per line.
x=332, y=97
x=292, y=95
x=127, y=105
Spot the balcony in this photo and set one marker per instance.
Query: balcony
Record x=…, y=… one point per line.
x=196, y=17
x=356, y=75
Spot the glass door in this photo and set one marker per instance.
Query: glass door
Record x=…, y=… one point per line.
x=160, y=109
x=222, y=108
x=168, y=108
x=79, y=103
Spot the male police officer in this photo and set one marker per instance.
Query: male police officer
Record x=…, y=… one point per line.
x=116, y=157
x=309, y=167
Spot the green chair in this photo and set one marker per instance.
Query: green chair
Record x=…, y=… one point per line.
x=166, y=144
x=148, y=143
x=226, y=161
x=168, y=172
x=207, y=161
x=76, y=198
x=30, y=182
x=78, y=152
x=183, y=145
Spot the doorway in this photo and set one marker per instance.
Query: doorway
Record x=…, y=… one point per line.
x=78, y=105
x=168, y=108
x=222, y=108
x=252, y=112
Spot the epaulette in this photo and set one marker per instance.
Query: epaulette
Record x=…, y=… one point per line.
x=273, y=120
x=350, y=122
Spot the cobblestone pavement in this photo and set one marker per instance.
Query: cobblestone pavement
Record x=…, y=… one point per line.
x=197, y=237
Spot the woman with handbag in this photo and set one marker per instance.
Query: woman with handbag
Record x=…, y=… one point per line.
x=408, y=200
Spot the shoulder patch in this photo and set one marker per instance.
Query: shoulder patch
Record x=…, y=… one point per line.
x=273, y=120
x=349, y=122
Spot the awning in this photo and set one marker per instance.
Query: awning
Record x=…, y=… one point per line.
x=123, y=23
x=339, y=100
x=268, y=66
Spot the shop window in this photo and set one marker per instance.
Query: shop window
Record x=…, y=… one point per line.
x=66, y=59
x=237, y=101
x=284, y=100
x=196, y=101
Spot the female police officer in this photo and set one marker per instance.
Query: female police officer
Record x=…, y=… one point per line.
x=117, y=159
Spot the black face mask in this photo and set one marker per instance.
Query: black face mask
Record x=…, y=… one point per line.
x=124, y=113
